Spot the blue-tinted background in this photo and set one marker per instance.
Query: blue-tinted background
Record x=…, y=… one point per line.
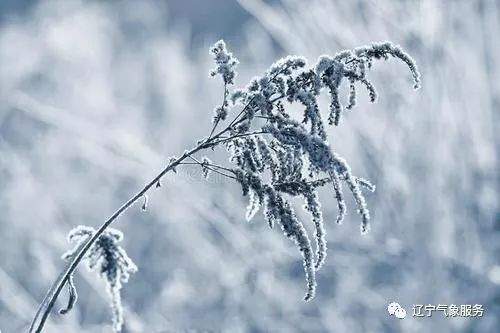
x=94, y=97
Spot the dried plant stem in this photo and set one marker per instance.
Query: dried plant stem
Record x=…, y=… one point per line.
x=48, y=302
x=285, y=156
x=212, y=167
x=223, y=105
x=213, y=140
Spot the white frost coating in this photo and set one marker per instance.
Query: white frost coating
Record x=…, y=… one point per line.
x=286, y=157
x=109, y=260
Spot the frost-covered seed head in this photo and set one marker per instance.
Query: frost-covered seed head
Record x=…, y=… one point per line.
x=225, y=62
x=109, y=259
x=295, y=159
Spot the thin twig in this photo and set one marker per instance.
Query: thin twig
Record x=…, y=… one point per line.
x=210, y=166
x=213, y=140
x=253, y=97
x=224, y=101
x=54, y=292
x=238, y=136
x=50, y=298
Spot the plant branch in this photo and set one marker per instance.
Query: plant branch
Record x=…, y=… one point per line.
x=238, y=136
x=210, y=167
x=48, y=303
x=224, y=102
x=317, y=150
x=253, y=98
x=208, y=164
x=50, y=298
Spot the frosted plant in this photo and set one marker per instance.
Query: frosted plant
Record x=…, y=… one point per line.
x=273, y=154
x=106, y=257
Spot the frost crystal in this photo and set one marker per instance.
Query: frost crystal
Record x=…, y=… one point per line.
x=109, y=259
x=205, y=167
x=352, y=65
x=253, y=205
x=276, y=157
x=225, y=61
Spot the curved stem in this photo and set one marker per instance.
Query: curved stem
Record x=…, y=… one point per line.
x=50, y=299
x=213, y=140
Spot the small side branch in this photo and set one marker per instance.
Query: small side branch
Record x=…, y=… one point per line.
x=223, y=105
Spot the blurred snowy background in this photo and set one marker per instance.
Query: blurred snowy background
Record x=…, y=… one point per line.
x=94, y=97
